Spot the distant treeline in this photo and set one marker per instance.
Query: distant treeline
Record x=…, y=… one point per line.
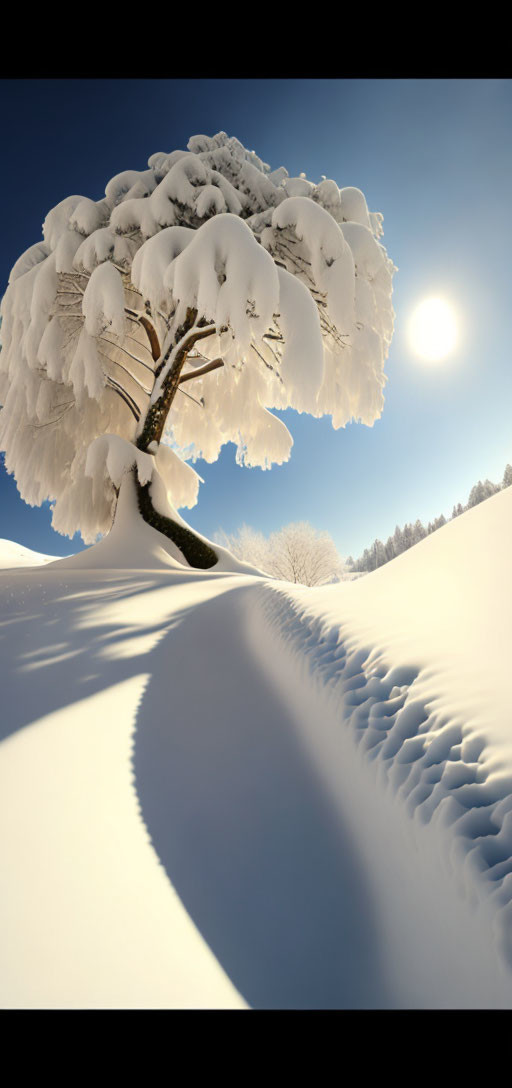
x=405, y=538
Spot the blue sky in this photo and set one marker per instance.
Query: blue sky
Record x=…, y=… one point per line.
x=434, y=156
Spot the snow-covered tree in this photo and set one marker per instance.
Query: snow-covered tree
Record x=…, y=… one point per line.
x=249, y=545
x=507, y=476
x=398, y=540
x=482, y=491
x=419, y=531
x=365, y=562
x=169, y=317
x=296, y=553
x=410, y=535
x=378, y=554
x=390, y=549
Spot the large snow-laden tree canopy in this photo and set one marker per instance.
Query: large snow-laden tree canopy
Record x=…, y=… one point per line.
x=171, y=316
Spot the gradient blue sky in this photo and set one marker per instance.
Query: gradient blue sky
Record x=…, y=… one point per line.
x=434, y=156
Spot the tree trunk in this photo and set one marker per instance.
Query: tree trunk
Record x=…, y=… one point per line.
x=195, y=550
x=158, y=411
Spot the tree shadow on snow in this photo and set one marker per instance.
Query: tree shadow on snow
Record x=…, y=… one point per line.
x=243, y=827
x=235, y=810
x=52, y=655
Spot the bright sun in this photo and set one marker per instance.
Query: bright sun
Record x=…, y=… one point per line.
x=433, y=329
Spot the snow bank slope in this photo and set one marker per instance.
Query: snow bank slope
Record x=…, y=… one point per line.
x=16, y=555
x=415, y=660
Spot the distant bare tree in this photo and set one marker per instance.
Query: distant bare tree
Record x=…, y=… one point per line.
x=297, y=553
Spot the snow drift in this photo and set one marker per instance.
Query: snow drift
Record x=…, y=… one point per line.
x=17, y=555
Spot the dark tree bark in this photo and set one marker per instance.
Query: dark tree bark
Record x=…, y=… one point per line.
x=195, y=550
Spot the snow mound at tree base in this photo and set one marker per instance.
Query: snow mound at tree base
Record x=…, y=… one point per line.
x=132, y=544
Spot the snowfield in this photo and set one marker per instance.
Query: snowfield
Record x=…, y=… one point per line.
x=223, y=791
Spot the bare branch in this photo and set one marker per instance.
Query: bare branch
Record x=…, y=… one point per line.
x=140, y=345
x=143, y=319
x=276, y=357
x=51, y=421
x=128, y=372
x=129, y=353
x=268, y=365
x=199, y=371
x=190, y=397
x=129, y=401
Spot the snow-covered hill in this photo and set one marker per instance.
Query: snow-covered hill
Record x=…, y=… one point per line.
x=219, y=790
x=17, y=555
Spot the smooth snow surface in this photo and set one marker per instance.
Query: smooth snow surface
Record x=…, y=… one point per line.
x=219, y=790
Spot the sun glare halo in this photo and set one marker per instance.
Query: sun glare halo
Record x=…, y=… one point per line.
x=433, y=329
